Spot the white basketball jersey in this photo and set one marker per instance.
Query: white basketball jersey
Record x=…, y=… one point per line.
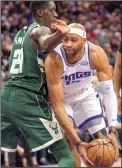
x=76, y=77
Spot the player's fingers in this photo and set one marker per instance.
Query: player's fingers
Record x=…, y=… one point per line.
x=113, y=143
x=90, y=145
x=53, y=27
x=88, y=162
x=115, y=147
x=56, y=26
x=110, y=139
x=85, y=159
x=60, y=22
x=116, y=157
x=117, y=153
x=53, y=24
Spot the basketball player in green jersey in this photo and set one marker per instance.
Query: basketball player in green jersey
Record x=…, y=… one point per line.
x=25, y=106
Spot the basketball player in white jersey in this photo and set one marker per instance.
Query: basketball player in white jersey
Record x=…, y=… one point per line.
x=69, y=70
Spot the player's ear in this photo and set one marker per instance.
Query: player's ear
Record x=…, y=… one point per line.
x=39, y=12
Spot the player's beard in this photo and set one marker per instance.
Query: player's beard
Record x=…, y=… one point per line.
x=70, y=53
x=74, y=53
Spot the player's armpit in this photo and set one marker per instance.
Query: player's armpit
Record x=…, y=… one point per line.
x=100, y=63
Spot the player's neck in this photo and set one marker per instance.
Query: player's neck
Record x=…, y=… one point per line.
x=39, y=21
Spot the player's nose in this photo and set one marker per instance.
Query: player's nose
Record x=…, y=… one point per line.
x=68, y=44
x=55, y=14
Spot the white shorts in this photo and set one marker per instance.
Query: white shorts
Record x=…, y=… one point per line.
x=87, y=113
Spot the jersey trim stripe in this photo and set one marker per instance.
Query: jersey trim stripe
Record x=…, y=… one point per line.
x=92, y=118
x=53, y=51
x=70, y=116
x=7, y=149
x=89, y=56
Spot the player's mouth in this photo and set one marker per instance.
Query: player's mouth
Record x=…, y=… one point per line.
x=54, y=20
x=69, y=51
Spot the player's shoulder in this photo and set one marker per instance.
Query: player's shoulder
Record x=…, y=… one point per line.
x=95, y=48
x=32, y=26
x=52, y=59
x=55, y=55
x=36, y=30
x=97, y=56
x=97, y=52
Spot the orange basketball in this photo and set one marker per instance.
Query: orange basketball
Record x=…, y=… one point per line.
x=102, y=153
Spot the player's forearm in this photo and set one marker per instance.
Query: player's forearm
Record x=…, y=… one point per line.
x=110, y=101
x=117, y=80
x=65, y=123
x=52, y=41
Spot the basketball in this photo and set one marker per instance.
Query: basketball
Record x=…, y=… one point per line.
x=102, y=153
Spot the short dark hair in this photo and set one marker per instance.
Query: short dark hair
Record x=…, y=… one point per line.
x=34, y=5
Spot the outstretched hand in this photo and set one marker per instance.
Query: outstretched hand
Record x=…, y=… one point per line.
x=60, y=26
x=82, y=148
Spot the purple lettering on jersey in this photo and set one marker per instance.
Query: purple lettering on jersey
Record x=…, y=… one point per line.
x=74, y=78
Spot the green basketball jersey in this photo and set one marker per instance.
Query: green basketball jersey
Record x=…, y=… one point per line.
x=26, y=64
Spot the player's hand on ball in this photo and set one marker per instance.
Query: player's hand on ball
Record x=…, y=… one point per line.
x=60, y=26
x=82, y=148
x=113, y=139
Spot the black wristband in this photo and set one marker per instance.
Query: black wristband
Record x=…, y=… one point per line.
x=115, y=132
x=78, y=144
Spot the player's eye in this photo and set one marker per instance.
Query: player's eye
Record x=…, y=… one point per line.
x=53, y=9
x=74, y=40
x=65, y=40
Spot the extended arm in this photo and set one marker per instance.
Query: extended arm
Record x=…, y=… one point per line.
x=101, y=64
x=46, y=40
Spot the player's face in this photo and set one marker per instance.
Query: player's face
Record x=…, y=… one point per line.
x=49, y=14
x=73, y=44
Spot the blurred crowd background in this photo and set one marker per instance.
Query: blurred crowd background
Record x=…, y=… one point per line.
x=102, y=21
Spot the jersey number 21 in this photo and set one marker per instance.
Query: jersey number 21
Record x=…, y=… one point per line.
x=17, y=62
